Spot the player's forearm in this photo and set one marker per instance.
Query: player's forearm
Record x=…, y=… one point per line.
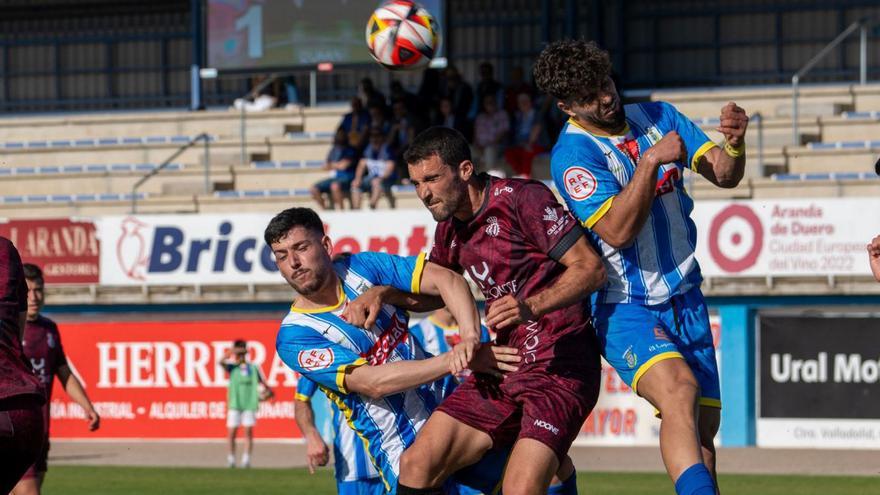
x=576, y=283
x=75, y=391
x=456, y=294
x=305, y=418
x=392, y=378
x=418, y=303
x=728, y=171
x=629, y=209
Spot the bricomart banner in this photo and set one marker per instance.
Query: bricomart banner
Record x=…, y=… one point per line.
x=229, y=249
x=785, y=237
x=162, y=379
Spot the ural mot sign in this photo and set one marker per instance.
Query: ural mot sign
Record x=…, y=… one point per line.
x=229, y=249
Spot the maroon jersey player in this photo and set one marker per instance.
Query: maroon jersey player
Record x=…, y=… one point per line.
x=21, y=395
x=536, y=270
x=42, y=346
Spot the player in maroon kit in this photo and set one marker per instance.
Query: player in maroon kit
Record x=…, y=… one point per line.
x=42, y=345
x=536, y=270
x=21, y=395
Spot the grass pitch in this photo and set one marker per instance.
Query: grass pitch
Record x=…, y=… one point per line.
x=111, y=480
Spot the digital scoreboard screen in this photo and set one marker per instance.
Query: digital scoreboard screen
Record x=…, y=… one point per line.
x=264, y=34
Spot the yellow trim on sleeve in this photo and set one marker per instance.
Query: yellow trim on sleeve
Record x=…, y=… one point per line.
x=342, y=370
x=651, y=362
x=709, y=402
x=598, y=214
x=417, y=273
x=340, y=299
x=302, y=398
x=708, y=145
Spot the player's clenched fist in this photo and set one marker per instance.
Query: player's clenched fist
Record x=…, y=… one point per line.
x=874, y=257
x=669, y=149
x=734, y=123
x=508, y=311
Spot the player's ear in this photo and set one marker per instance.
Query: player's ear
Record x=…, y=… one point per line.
x=565, y=108
x=466, y=170
x=328, y=244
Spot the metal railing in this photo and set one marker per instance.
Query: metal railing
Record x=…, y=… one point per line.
x=862, y=25
x=192, y=142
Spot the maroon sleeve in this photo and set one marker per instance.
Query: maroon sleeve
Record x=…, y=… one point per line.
x=60, y=357
x=14, y=289
x=442, y=252
x=544, y=222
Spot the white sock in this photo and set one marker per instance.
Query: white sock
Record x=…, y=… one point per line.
x=245, y=459
x=230, y=459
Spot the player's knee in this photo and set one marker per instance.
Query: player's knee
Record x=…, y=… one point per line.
x=523, y=485
x=679, y=395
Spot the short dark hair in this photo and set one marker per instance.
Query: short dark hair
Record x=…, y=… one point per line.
x=445, y=142
x=281, y=224
x=32, y=272
x=571, y=70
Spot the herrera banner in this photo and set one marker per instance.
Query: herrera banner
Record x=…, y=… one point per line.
x=820, y=382
x=785, y=237
x=162, y=379
x=66, y=249
x=229, y=249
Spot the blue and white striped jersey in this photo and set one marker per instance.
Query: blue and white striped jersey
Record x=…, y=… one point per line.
x=436, y=338
x=589, y=171
x=323, y=347
x=351, y=460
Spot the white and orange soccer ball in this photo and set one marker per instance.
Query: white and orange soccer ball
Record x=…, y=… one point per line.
x=402, y=35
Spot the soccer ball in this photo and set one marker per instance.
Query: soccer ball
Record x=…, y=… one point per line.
x=402, y=35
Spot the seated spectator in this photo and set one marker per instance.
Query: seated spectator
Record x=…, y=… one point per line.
x=378, y=120
x=356, y=124
x=517, y=86
x=448, y=118
x=370, y=96
x=490, y=134
x=341, y=164
x=375, y=172
x=460, y=94
x=399, y=93
x=259, y=99
x=529, y=138
x=488, y=85
x=404, y=127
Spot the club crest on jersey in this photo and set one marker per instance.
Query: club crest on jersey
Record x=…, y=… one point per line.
x=315, y=359
x=580, y=183
x=492, y=227
x=631, y=358
x=550, y=214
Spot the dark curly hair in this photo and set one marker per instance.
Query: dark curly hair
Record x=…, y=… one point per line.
x=572, y=70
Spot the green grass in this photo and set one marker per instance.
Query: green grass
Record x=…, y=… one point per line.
x=108, y=480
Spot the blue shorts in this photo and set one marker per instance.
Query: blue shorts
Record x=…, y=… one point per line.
x=484, y=477
x=367, y=183
x=371, y=486
x=634, y=337
x=324, y=185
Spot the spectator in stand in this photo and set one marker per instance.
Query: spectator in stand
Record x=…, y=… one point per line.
x=356, y=124
x=399, y=93
x=429, y=95
x=517, y=86
x=378, y=120
x=341, y=164
x=375, y=172
x=874, y=257
x=448, y=118
x=262, y=96
x=529, y=138
x=490, y=134
x=404, y=127
x=488, y=85
x=370, y=96
x=460, y=95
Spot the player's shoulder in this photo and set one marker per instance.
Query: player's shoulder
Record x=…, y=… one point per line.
x=656, y=111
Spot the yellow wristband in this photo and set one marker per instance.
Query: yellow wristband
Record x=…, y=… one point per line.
x=735, y=152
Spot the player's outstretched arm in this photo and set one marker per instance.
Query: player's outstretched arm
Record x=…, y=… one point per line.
x=452, y=287
x=626, y=216
x=391, y=378
x=874, y=257
x=75, y=391
x=317, y=452
x=726, y=166
x=584, y=274
x=365, y=309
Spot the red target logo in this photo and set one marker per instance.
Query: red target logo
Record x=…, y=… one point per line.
x=736, y=238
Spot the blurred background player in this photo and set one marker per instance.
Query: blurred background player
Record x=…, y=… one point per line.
x=355, y=472
x=21, y=396
x=620, y=170
x=243, y=399
x=42, y=346
x=874, y=257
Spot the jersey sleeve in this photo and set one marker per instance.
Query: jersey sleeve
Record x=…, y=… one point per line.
x=583, y=180
x=441, y=252
x=315, y=357
x=544, y=222
x=60, y=356
x=305, y=389
x=695, y=140
x=401, y=272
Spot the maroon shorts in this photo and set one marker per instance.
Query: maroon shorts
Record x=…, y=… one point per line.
x=41, y=465
x=21, y=440
x=530, y=403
